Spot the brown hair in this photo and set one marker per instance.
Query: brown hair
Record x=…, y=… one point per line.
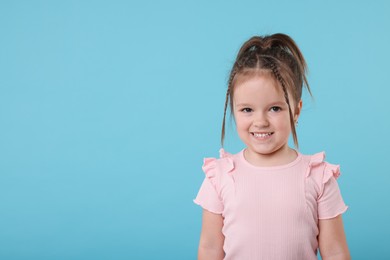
x=278, y=54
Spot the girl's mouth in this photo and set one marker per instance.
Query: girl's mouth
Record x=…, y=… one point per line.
x=262, y=135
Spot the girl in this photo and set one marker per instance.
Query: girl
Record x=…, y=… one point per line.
x=269, y=201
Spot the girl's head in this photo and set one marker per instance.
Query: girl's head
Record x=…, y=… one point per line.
x=276, y=58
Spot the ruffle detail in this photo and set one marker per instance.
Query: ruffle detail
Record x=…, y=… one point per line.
x=315, y=161
x=212, y=167
x=331, y=170
x=208, y=168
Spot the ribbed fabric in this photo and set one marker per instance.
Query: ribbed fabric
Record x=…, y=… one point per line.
x=271, y=212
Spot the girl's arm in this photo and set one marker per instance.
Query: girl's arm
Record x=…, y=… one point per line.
x=211, y=237
x=332, y=240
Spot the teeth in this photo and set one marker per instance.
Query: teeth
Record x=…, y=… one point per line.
x=261, y=135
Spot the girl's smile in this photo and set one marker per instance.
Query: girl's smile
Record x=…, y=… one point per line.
x=263, y=120
x=262, y=135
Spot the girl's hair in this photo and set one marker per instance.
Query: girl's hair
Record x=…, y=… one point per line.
x=277, y=54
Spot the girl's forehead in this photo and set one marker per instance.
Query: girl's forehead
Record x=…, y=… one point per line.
x=253, y=79
x=258, y=89
x=258, y=92
x=264, y=84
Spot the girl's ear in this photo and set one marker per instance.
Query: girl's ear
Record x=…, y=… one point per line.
x=297, y=110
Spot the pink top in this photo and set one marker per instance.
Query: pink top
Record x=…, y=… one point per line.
x=271, y=212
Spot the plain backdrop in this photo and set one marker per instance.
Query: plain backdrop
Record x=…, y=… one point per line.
x=107, y=109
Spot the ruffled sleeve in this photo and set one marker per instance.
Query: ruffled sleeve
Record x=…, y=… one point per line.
x=329, y=200
x=209, y=195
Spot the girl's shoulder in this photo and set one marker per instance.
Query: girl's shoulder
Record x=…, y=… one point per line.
x=321, y=187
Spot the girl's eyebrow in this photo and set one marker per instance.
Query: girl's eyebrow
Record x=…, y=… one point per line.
x=243, y=105
x=279, y=103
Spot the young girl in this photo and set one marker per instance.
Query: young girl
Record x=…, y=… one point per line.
x=269, y=201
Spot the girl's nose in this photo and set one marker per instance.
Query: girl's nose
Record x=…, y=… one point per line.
x=261, y=121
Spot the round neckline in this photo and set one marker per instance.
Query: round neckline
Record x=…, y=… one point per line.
x=276, y=167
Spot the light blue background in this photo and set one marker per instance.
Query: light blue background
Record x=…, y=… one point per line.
x=107, y=109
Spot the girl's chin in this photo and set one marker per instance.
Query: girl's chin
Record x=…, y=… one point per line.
x=266, y=151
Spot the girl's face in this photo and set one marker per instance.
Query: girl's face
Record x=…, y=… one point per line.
x=262, y=120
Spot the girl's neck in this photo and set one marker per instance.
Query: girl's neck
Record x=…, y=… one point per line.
x=284, y=156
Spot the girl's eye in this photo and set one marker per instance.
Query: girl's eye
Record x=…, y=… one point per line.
x=276, y=109
x=246, y=110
